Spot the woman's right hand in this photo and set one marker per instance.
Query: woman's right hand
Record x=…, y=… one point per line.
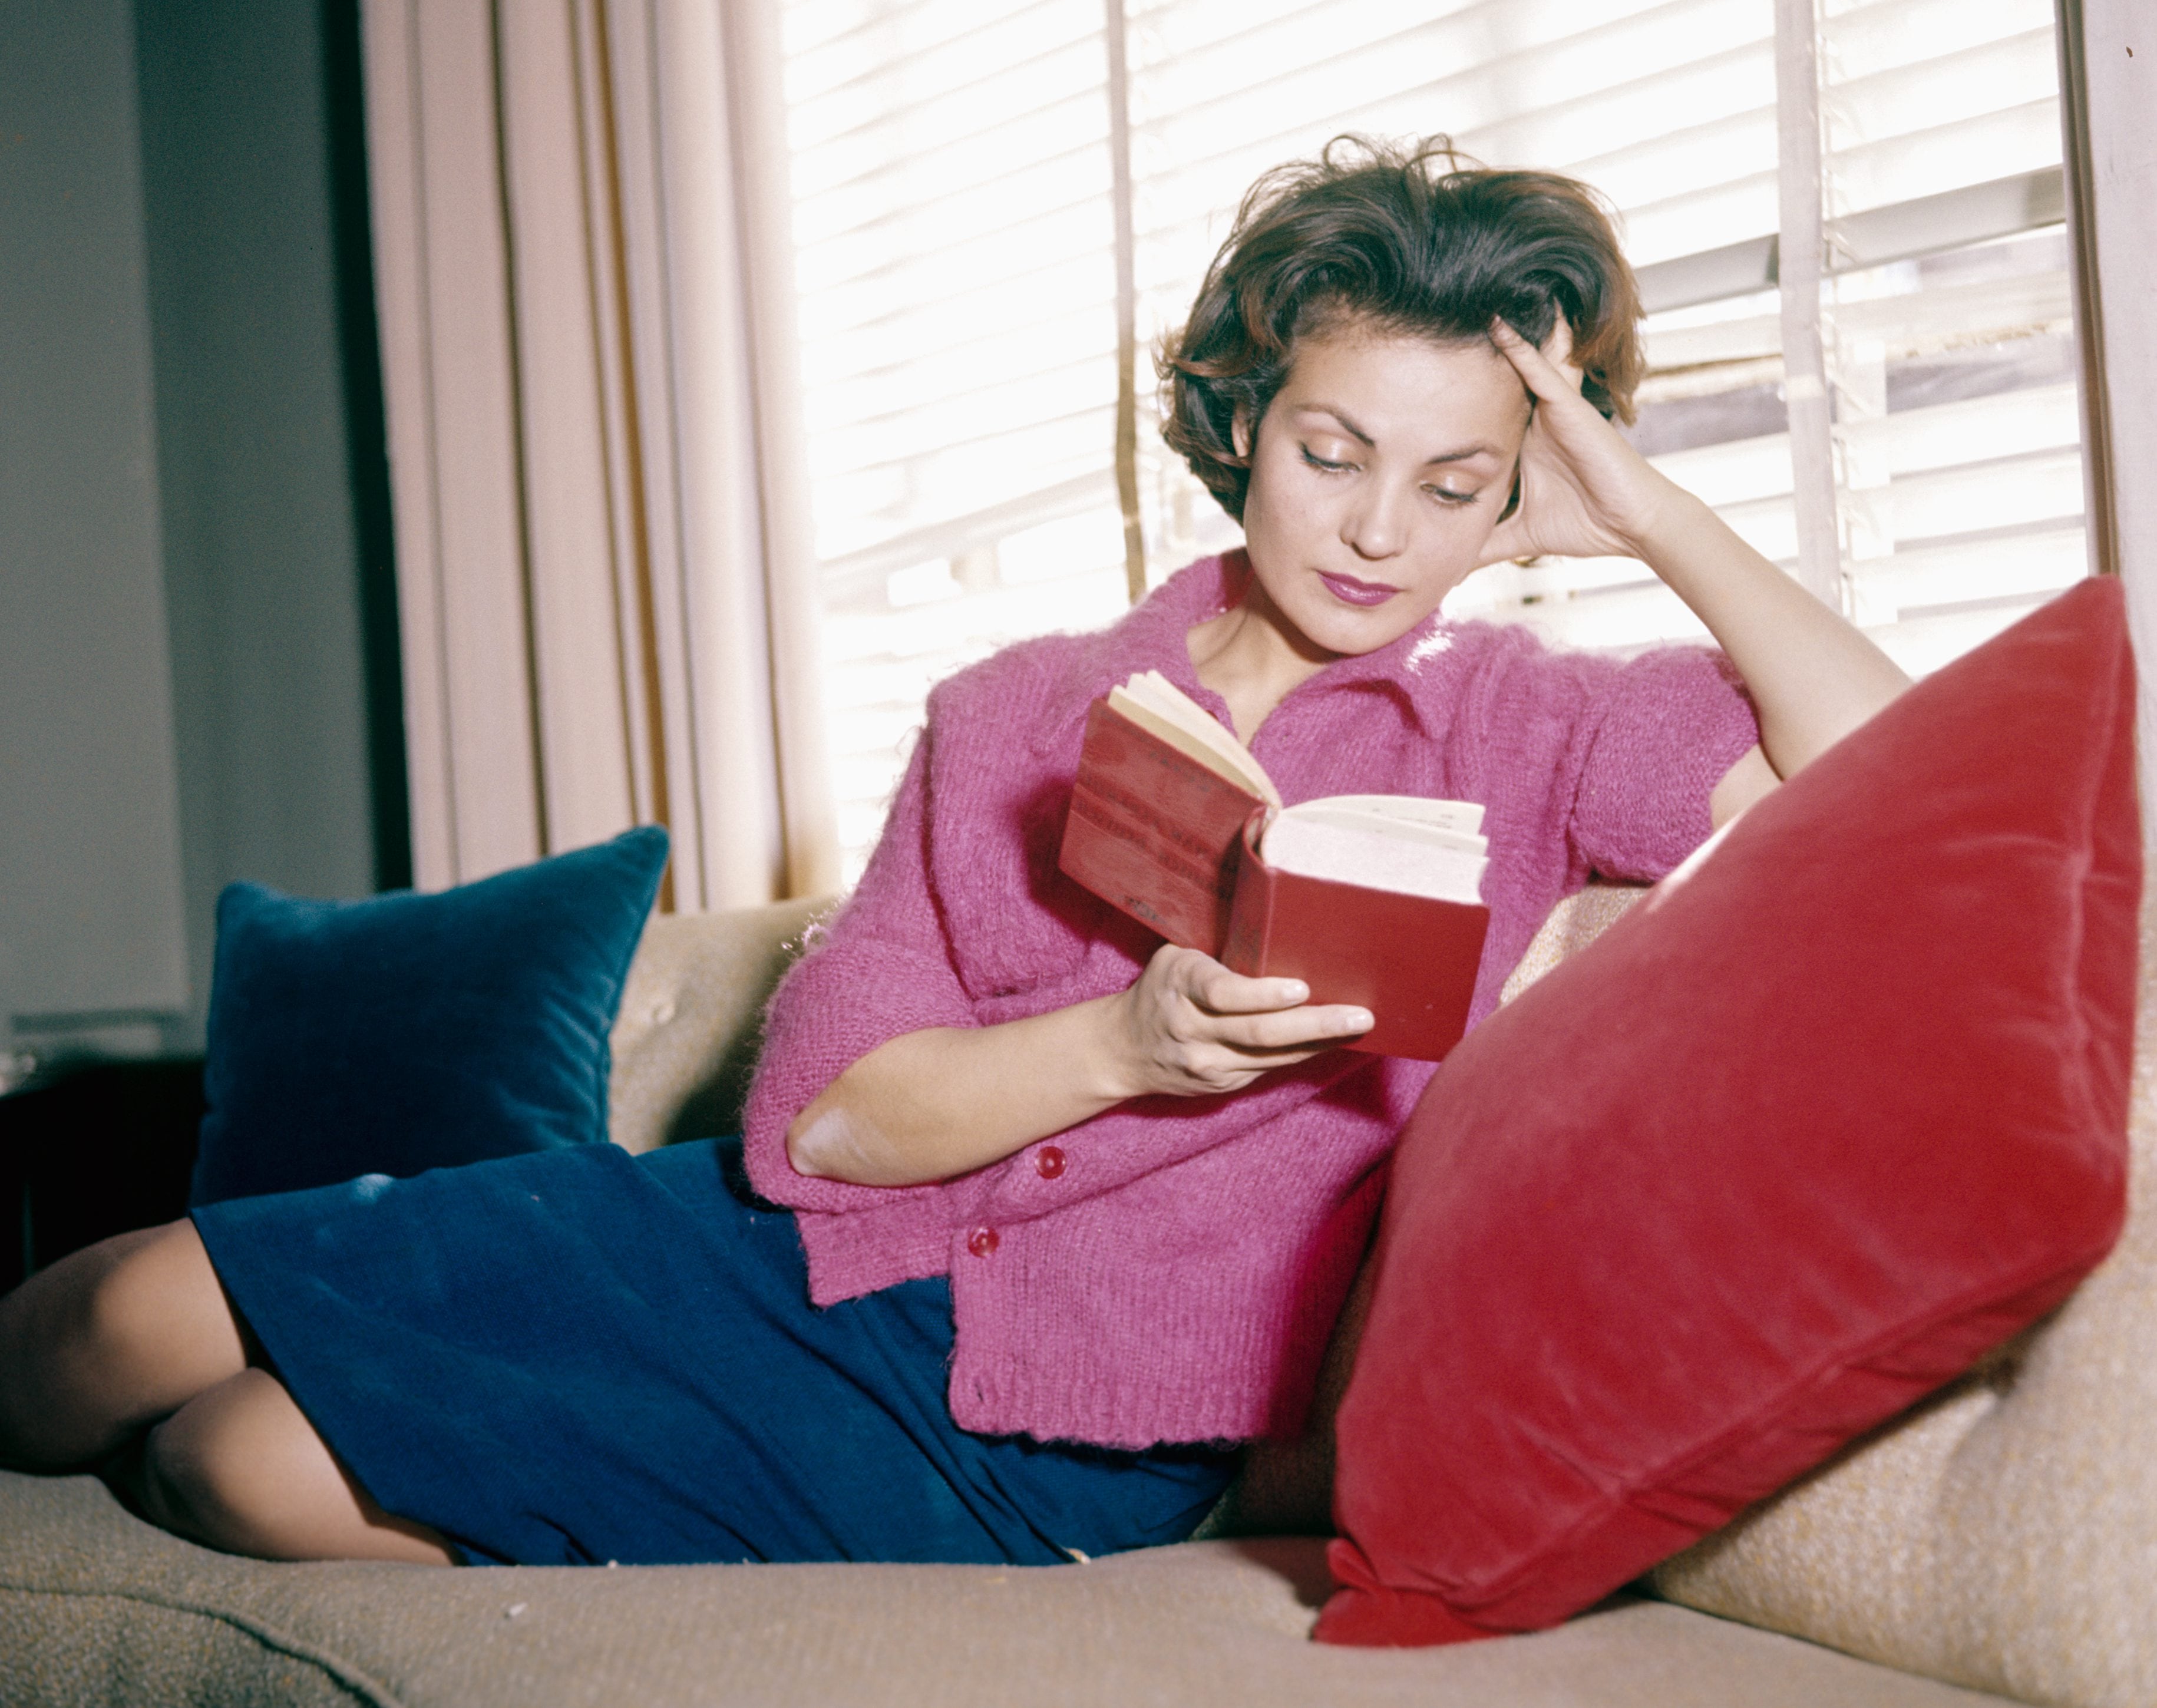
x=1192, y=1028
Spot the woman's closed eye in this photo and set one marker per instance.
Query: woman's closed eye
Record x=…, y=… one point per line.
x=1341, y=463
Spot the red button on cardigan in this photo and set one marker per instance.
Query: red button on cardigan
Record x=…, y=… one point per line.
x=981, y=1241
x=1048, y=1162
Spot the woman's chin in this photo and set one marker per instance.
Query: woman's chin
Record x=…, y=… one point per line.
x=1349, y=631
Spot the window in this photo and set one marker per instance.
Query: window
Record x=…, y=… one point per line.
x=984, y=186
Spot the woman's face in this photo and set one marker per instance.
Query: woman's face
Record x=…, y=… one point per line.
x=1380, y=469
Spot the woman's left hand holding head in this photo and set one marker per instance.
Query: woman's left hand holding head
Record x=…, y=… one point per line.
x=1584, y=491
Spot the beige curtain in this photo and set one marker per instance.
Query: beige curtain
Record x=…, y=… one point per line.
x=606, y=575
x=2108, y=82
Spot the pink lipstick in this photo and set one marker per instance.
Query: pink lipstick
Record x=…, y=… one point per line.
x=1349, y=591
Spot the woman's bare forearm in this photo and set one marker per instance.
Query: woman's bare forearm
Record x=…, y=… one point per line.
x=930, y=1104
x=1813, y=676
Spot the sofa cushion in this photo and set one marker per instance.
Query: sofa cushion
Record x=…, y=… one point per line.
x=411, y=1031
x=97, y=1609
x=1838, y=1109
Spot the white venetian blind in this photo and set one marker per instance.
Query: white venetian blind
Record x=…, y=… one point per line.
x=956, y=225
x=1950, y=353
x=958, y=300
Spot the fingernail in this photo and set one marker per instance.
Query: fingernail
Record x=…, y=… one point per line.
x=1296, y=991
x=1359, y=1020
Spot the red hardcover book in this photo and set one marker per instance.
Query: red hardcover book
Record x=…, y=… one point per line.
x=1412, y=960
x=1158, y=830
x=1154, y=831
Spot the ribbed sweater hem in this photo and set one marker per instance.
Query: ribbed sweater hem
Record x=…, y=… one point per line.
x=1010, y=1401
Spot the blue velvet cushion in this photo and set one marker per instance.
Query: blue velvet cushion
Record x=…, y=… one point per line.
x=413, y=1031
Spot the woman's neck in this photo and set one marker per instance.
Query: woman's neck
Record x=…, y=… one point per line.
x=1253, y=657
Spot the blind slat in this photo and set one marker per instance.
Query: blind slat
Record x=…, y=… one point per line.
x=1893, y=35
x=922, y=50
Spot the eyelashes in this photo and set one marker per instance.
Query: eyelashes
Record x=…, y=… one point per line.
x=1325, y=465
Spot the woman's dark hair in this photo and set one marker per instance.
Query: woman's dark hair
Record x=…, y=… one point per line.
x=1409, y=240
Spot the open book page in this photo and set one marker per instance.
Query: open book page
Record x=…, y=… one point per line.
x=1413, y=860
x=1156, y=704
x=1333, y=811
x=1465, y=816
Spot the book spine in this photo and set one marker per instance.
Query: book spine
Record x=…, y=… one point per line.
x=1250, y=908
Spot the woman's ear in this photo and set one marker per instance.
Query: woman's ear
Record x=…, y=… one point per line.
x=1239, y=431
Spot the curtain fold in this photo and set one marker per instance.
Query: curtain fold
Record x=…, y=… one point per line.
x=608, y=613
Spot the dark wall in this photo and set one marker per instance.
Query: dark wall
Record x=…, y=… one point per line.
x=278, y=578
x=92, y=929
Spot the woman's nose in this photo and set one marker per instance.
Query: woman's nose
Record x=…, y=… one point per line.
x=1375, y=526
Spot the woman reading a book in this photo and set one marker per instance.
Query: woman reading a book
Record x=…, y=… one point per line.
x=1074, y=1212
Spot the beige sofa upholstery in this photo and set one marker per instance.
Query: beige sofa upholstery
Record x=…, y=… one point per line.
x=97, y=1608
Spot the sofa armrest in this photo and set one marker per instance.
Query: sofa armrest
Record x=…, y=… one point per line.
x=686, y=1037
x=1571, y=925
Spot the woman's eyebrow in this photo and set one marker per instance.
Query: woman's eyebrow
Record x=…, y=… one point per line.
x=1464, y=453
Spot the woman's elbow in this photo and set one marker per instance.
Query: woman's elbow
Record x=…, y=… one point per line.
x=810, y=1141
x=830, y=1141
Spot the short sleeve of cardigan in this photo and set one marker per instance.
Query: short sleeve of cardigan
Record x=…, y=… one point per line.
x=1662, y=730
x=881, y=969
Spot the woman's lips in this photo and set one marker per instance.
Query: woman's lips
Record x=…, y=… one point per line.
x=1349, y=591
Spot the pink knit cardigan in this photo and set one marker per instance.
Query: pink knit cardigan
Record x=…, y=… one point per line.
x=1173, y=1271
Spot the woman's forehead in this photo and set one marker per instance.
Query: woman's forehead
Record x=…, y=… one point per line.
x=1377, y=384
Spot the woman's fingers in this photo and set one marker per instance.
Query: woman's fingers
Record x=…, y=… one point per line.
x=1204, y=1028
x=1265, y=1013
x=1535, y=368
x=1547, y=372
x=1557, y=348
x=1557, y=351
x=1216, y=990
x=1293, y=1028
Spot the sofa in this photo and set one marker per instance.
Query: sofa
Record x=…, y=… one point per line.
x=97, y=1607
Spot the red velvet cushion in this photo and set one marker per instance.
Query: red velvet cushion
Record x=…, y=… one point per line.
x=1831, y=1114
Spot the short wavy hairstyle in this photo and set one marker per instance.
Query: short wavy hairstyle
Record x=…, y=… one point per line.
x=1408, y=239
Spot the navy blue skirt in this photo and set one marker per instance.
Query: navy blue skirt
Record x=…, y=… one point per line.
x=581, y=1356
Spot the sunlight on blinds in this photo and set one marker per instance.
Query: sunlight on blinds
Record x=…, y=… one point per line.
x=952, y=224
x=1951, y=357
x=955, y=222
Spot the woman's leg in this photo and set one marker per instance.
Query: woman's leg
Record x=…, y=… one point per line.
x=136, y=1332
x=239, y=1468
x=108, y=1340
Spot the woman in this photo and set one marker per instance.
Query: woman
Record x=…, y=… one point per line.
x=1079, y=1210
